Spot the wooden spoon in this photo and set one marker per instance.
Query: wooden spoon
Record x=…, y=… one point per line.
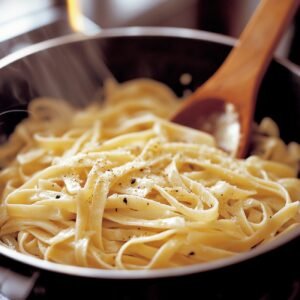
x=237, y=81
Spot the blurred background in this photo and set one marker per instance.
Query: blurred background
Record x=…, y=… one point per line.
x=25, y=22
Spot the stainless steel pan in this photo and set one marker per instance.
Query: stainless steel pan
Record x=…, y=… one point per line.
x=73, y=68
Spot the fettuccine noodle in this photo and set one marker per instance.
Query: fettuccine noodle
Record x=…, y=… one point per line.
x=118, y=186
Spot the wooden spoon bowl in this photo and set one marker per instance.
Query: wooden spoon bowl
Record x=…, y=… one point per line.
x=237, y=81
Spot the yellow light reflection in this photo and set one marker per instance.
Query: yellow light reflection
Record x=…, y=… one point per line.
x=74, y=15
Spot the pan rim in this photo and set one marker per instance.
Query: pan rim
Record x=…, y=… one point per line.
x=133, y=31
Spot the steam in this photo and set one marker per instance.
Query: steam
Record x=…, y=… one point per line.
x=73, y=72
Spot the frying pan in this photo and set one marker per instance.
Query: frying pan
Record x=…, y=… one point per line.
x=73, y=68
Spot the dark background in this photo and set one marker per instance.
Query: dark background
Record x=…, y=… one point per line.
x=25, y=22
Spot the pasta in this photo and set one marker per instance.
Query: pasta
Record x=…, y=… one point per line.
x=118, y=186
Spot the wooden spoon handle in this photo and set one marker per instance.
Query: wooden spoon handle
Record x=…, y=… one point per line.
x=242, y=71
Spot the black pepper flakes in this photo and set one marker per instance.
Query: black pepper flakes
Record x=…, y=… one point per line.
x=133, y=180
x=57, y=196
x=191, y=253
x=116, y=209
x=148, y=203
x=125, y=200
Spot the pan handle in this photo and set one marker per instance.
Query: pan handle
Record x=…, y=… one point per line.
x=16, y=286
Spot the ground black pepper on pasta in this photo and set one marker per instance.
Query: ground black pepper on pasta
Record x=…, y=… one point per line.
x=116, y=187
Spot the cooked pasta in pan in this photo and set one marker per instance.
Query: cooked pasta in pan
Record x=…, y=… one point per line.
x=118, y=186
